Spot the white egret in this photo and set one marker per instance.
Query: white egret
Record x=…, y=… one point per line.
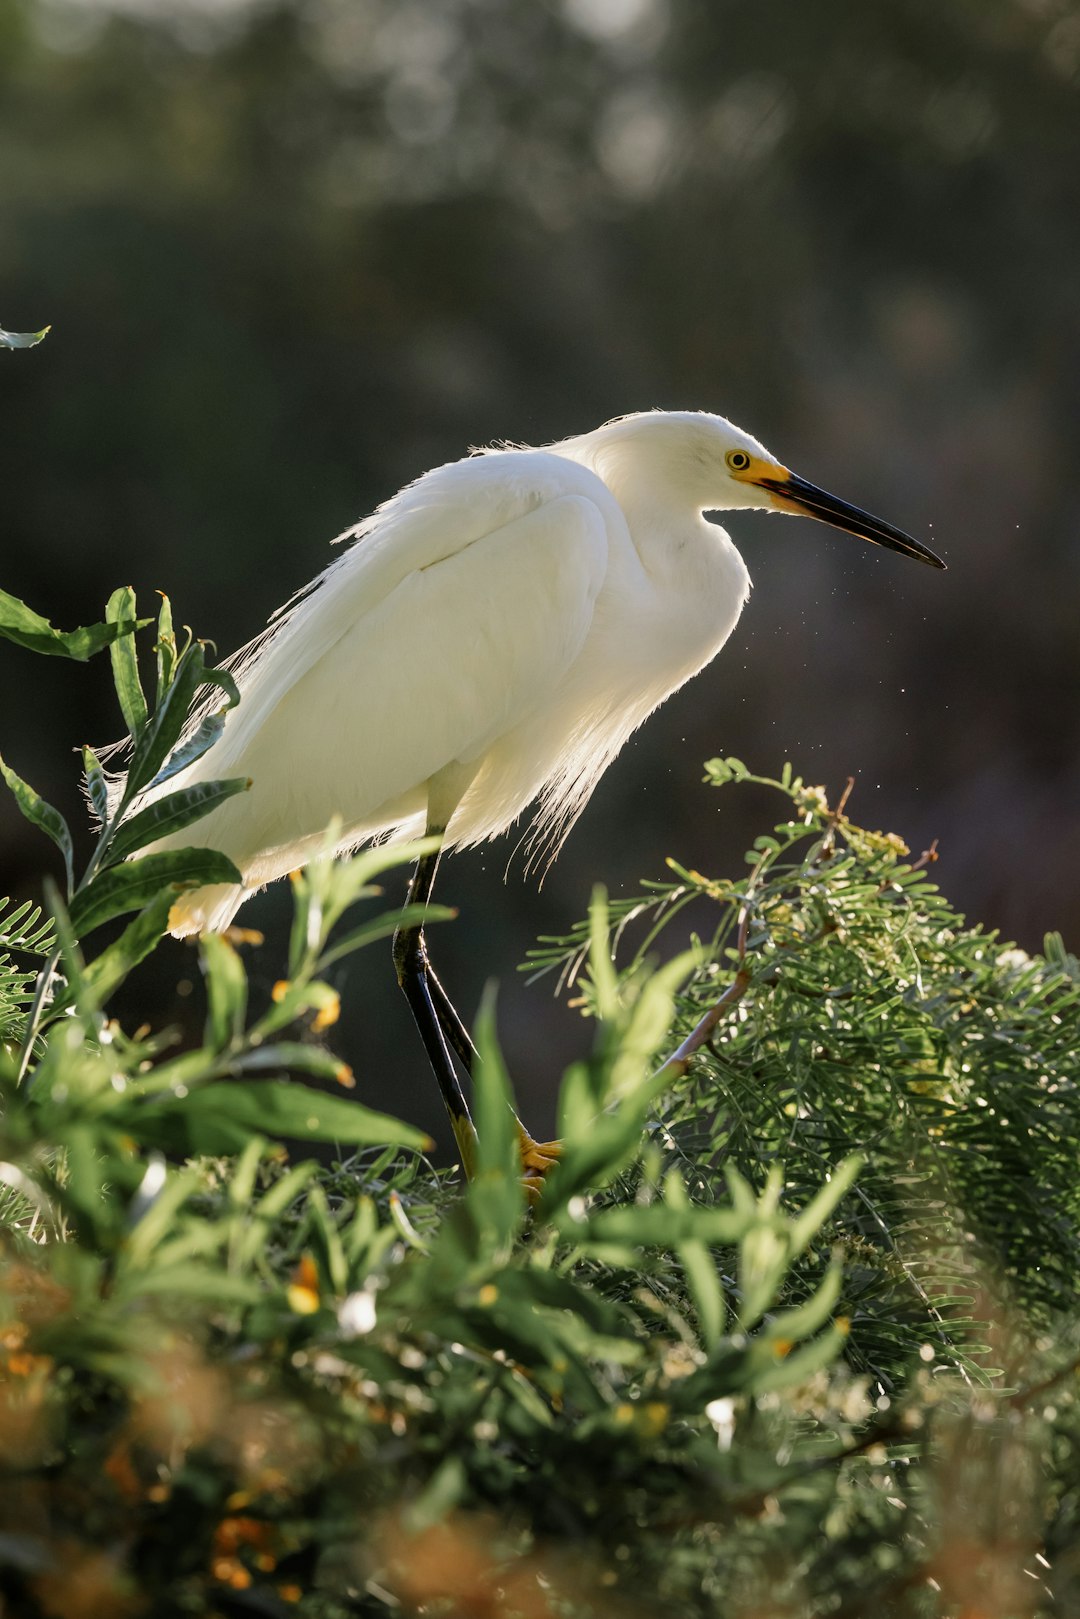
x=491, y=639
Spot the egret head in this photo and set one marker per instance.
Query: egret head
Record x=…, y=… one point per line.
x=720, y=467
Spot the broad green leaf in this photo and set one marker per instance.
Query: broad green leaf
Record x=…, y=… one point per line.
x=658, y=1225
x=384, y=927
x=292, y=1057
x=802, y=1363
x=96, y=785
x=719, y=772
x=595, y=1146
x=172, y=813
x=405, y=1228
x=22, y=340
x=647, y=1028
x=226, y=991
x=496, y=1193
x=764, y=1257
x=804, y=1226
x=125, y=662
x=192, y=1280
x=577, y=1104
x=43, y=816
x=190, y=1069
x=360, y=1232
x=165, y=726
x=82, y=1190
x=223, y=678
x=285, y=1191
x=496, y=1126
x=21, y=624
x=241, y=1188
x=326, y=888
x=159, y=1219
x=165, y=647
x=601, y=968
x=132, y=886
x=200, y=741
x=742, y=1193
x=107, y=971
x=533, y=1286
x=439, y=1496
x=324, y=1239
x=305, y=934
x=699, y=1269
x=798, y=1323
x=292, y=1001
x=220, y=1118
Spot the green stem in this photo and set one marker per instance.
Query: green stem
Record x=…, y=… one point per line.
x=48, y=972
x=33, y=1020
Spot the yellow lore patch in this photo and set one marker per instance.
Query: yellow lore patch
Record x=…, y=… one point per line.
x=760, y=469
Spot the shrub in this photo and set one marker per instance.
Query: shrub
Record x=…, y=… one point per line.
x=790, y=1330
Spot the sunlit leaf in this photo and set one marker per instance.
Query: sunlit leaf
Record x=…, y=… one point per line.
x=125, y=662
x=43, y=816
x=170, y=814
x=105, y=972
x=132, y=886
x=219, y=1118
x=21, y=624
x=165, y=649
x=496, y=1191
x=96, y=785
x=293, y=1057
x=199, y=742
x=226, y=991
x=164, y=727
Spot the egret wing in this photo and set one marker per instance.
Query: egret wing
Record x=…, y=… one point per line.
x=432, y=520
x=430, y=675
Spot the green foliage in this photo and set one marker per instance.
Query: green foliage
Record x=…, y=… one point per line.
x=21, y=624
x=738, y=1356
x=23, y=931
x=130, y=1094
x=861, y=1013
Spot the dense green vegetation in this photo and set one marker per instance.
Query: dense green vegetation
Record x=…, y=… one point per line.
x=298, y=251
x=791, y=1329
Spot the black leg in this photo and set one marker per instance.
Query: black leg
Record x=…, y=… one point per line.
x=452, y=1027
x=443, y=1033
x=435, y=1016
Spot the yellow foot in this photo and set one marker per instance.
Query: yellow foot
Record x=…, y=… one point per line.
x=538, y=1159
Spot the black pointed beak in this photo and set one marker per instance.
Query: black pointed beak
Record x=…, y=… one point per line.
x=794, y=494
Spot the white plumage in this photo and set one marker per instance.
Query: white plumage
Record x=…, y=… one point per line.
x=492, y=636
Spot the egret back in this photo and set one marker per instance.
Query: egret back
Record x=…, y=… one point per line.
x=492, y=636
x=416, y=650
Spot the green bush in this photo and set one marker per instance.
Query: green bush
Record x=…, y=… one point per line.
x=790, y=1330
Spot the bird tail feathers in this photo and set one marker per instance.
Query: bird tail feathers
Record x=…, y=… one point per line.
x=206, y=910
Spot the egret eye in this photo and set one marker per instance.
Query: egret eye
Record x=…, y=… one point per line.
x=737, y=460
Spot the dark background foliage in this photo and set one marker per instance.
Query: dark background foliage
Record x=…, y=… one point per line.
x=296, y=253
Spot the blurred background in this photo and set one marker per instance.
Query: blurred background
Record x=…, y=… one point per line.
x=294, y=253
